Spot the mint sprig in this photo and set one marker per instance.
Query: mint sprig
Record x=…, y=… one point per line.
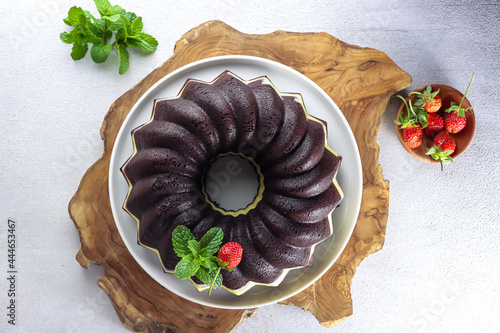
x=126, y=26
x=197, y=258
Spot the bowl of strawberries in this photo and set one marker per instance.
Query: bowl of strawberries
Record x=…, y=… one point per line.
x=436, y=123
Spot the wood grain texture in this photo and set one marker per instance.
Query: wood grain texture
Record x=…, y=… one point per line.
x=359, y=80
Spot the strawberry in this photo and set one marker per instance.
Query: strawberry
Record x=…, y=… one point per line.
x=444, y=140
x=442, y=147
x=434, y=124
x=454, y=123
x=432, y=107
x=412, y=124
x=428, y=99
x=229, y=257
x=231, y=253
x=412, y=135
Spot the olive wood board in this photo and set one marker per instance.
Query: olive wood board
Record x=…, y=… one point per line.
x=359, y=80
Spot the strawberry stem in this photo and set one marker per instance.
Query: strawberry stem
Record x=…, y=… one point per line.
x=406, y=104
x=472, y=79
x=213, y=281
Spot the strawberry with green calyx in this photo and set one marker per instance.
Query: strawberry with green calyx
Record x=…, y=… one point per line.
x=229, y=257
x=442, y=147
x=412, y=124
x=230, y=254
x=429, y=100
x=455, y=120
x=432, y=107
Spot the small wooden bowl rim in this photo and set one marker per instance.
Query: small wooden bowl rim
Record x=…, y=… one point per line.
x=463, y=138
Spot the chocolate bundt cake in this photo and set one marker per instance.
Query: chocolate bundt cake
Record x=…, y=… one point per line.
x=296, y=168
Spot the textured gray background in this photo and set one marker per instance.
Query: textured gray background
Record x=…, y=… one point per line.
x=439, y=268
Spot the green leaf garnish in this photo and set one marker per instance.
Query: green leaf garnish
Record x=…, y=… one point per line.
x=100, y=52
x=122, y=58
x=74, y=16
x=180, y=238
x=212, y=240
x=78, y=51
x=209, y=262
x=198, y=258
x=186, y=268
x=194, y=247
x=99, y=31
x=204, y=276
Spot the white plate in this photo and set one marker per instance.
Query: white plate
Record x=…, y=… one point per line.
x=340, y=137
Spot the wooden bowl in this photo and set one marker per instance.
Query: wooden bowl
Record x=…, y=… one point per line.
x=462, y=138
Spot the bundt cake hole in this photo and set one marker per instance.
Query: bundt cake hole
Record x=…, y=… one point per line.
x=233, y=184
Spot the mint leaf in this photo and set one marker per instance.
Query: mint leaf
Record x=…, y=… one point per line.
x=82, y=22
x=90, y=16
x=112, y=18
x=186, y=268
x=216, y=282
x=68, y=37
x=136, y=26
x=103, y=6
x=121, y=35
x=122, y=58
x=96, y=29
x=100, y=52
x=212, y=240
x=91, y=37
x=180, y=238
x=194, y=246
x=78, y=51
x=145, y=42
x=129, y=16
x=117, y=10
x=116, y=26
x=209, y=262
x=80, y=38
x=74, y=16
x=83, y=25
x=204, y=276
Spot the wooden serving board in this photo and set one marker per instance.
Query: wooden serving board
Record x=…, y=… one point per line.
x=359, y=80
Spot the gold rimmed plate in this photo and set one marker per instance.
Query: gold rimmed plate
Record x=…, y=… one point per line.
x=340, y=137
